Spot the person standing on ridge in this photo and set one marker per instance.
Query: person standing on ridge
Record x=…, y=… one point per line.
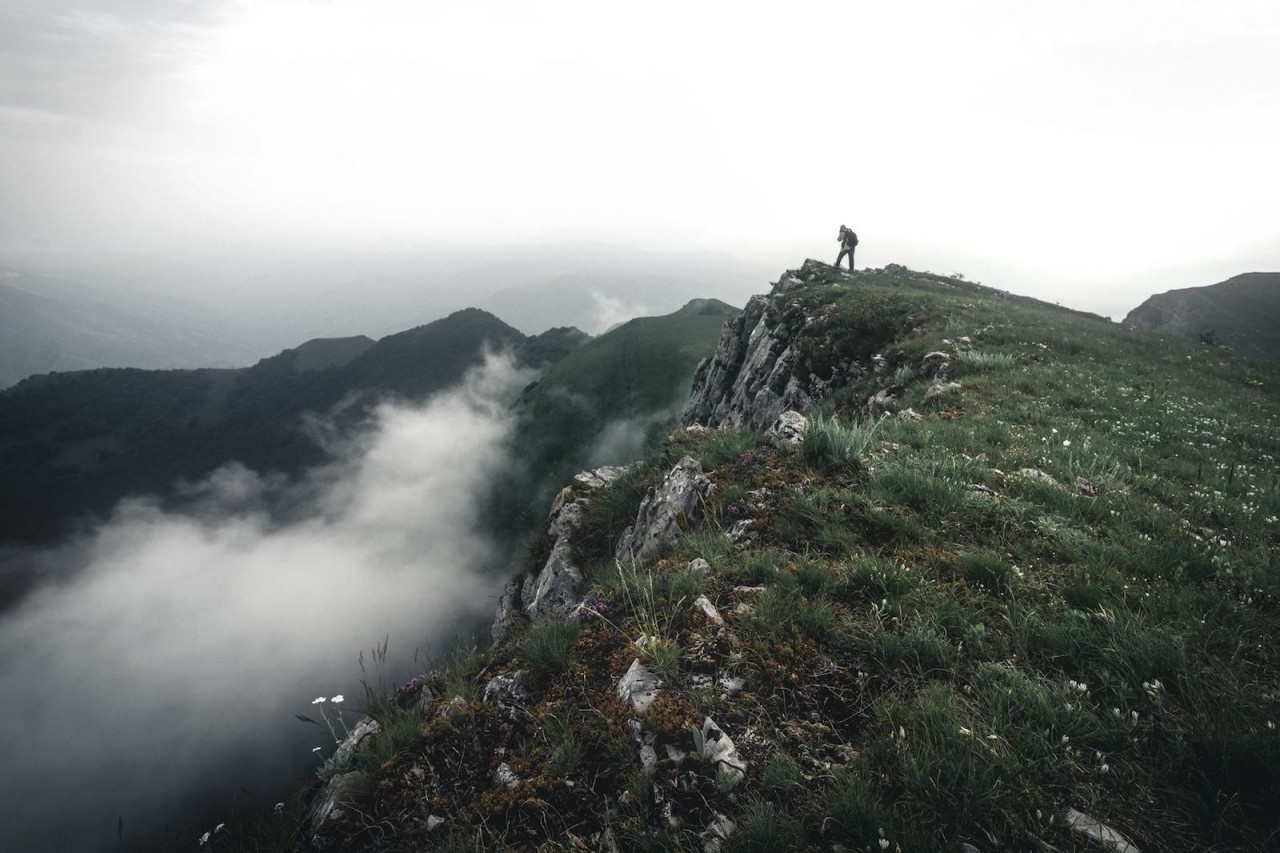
x=848, y=242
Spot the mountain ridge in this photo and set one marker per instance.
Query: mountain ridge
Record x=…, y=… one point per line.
x=1242, y=313
x=966, y=602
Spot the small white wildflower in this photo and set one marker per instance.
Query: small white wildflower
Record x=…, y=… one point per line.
x=337, y=699
x=1271, y=724
x=884, y=844
x=965, y=731
x=204, y=839
x=1105, y=768
x=1066, y=442
x=279, y=808
x=319, y=700
x=317, y=749
x=1066, y=739
x=1133, y=715
x=1039, y=816
x=219, y=828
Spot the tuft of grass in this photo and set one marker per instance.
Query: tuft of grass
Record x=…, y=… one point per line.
x=836, y=448
x=781, y=775
x=875, y=579
x=987, y=571
x=764, y=828
x=851, y=813
x=609, y=513
x=546, y=647
x=980, y=360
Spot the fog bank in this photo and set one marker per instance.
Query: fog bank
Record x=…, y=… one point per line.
x=163, y=676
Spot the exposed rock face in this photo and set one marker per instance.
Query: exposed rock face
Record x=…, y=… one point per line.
x=749, y=380
x=679, y=498
x=556, y=589
x=326, y=808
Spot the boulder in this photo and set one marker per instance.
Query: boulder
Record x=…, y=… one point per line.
x=507, y=694
x=937, y=391
x=789, y=426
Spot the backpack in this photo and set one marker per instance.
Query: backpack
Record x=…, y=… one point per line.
x=850, y=239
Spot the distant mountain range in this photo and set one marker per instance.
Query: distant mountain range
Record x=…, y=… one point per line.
x=1242, y=313
x=77, y=442
x=49, y=324
x=73, y=444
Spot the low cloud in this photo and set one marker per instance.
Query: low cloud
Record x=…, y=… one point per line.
x=162, y=677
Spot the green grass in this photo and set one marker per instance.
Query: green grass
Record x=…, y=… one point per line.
x=1059, y=589
x=546, y=647
x=836, y=448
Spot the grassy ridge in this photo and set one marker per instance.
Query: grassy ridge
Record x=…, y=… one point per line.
x=1059, y=589
x=599, y=404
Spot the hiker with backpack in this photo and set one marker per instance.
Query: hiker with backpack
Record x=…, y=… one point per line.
x=848, y=242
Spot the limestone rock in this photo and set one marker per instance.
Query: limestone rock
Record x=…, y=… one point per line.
x=718, y=748
x=599, y=477
x=1037, y=475
x=1099, y=832
x=720, y=828
x=679, y=498
x=325, y=808
x=749, y=380
x=704, y=604
x=739, y=531
x=882, y=400
x=935, y=365
x=699, y=566
x=505, y=777
x=937, y=391
x=638, y=687
x=507, y=694
x=646, y=754
x=789, y=426
x=910, y=414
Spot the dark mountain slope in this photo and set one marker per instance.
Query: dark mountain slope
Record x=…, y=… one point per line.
x=77, y=442
x=1242, y=312
x=598, y=404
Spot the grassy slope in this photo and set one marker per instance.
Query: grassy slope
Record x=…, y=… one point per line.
x=596, y=405
x=949, y=645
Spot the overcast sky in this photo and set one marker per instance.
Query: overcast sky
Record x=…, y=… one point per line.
x=1086, y=152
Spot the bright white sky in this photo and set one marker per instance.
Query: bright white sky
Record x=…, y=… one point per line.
x=1086, y=152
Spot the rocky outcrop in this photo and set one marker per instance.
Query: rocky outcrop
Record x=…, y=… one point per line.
x=753, y=378
x=680, y=498
x=749, y=379
x=326, y=808
x=555, y=590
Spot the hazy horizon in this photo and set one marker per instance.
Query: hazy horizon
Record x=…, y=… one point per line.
x=1085, y=154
